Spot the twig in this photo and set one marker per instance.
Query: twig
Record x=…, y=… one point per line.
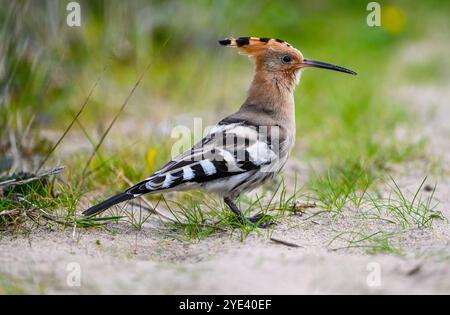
x=15, y=182
x=289, y=244
x=414, y=270
x=304, y=205
x=9, y=212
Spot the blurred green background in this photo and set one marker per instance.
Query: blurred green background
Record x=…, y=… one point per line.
x=48, y=68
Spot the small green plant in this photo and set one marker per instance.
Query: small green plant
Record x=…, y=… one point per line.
x=380, y=242
x=193, y=215
x=342, y=185
x=417, y=211
x=401, y=210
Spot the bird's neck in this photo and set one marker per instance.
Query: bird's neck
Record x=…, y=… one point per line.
x=273, y=94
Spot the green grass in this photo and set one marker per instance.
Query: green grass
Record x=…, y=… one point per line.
x=402, y=211
x=45, y=201
x=413, y=211
x=198, y=215
x=379, y=242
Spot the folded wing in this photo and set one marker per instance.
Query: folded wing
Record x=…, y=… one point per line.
x=226, y=151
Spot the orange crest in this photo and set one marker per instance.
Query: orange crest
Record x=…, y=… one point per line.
x=255, y=46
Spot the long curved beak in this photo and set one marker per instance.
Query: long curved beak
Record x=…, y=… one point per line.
x=324, y=65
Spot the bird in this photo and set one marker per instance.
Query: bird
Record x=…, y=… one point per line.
x=246, y=148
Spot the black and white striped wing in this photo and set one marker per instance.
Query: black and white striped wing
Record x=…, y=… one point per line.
x=228, y=150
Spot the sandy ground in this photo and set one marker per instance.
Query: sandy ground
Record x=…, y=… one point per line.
x=131, y=261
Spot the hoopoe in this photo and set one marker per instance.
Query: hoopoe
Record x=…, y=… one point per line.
x=246, y=148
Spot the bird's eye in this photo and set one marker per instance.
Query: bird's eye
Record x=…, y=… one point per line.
x=286, y=59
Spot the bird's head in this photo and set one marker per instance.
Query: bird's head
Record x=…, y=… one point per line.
x=277, y=56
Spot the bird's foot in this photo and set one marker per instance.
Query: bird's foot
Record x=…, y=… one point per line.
x=262, y=220
x=259, y=220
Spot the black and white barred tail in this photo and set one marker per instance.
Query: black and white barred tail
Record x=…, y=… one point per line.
x=108, y=203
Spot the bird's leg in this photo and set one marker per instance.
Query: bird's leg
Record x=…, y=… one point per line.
x=255, y=219
x=232, y=205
